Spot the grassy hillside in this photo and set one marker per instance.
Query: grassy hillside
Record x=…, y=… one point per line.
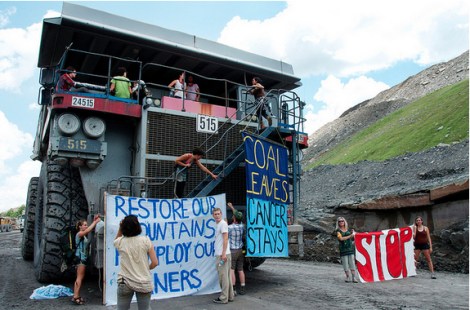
x=440, y=117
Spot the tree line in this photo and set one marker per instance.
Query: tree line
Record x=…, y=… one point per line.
x=14, y=212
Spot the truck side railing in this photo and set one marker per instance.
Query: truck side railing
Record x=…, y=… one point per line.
x=96, y=85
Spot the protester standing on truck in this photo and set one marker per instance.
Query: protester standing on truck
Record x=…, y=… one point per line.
x=236, y=236
x=182, y=165
x=178, y=85
x=134, y=276
x=81, y=253
x=223, y=258
x=423, y=243
x=261, y=103
x=346, y=248
x=120, y=84
x=192, y=89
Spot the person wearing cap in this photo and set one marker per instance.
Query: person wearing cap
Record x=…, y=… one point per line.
x=236, y=234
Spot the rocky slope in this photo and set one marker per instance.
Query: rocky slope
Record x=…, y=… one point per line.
x=329, y=191
x=390, y=100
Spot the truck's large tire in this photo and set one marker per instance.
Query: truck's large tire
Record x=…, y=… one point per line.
x=63, y=202
x=27, y=244
x=253, y=262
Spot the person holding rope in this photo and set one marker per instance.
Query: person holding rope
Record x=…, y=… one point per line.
x=262, y=106
x=182, y=165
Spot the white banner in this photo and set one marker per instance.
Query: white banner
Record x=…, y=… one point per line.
x=385, y=255
x=183, y=234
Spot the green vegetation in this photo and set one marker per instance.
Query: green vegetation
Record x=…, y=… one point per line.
x=15, y=212
x=440, y=117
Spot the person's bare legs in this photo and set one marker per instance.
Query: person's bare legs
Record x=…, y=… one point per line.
x=78, y=282
x=417, y=254
x=427, y=255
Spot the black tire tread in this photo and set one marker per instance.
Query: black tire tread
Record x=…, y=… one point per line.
x=61, y=190
x=27, y=243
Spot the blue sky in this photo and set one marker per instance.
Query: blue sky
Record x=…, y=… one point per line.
x=344, y=51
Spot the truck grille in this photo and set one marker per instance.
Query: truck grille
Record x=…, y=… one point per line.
x=173, y=135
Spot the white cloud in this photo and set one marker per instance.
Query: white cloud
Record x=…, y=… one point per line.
x=34, y=106
x=13, y=142
x=14, y=177
x=338, y=97
x=5, y=16
x=18, y=52
x=13, y=188
x=18, y=55
x=348, y=38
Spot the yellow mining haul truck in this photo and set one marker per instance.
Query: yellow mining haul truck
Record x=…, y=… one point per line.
x=91, y=141
x=5, y=224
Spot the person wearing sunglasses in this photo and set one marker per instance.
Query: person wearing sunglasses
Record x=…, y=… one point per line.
x=346, y=248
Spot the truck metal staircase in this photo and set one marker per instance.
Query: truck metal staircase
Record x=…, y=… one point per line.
x=230, y=163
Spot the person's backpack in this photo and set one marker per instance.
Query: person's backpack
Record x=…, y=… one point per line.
x=69, y=246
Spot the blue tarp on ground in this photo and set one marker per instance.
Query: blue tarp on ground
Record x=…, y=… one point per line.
x=51, y=291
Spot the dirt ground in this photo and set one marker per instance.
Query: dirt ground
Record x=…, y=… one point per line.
x=276, y=284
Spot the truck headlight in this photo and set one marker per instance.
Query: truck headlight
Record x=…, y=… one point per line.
x=68, y=124
x=94, y=127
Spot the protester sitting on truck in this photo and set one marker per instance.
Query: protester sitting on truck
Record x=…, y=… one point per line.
x=120, y=84
x=261, y=103
x=192, y=90
x=178, y=86
x=81, y=253
x=67, y=83
x=182, y=165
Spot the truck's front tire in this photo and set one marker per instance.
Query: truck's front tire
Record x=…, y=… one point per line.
x=63, y=203
x=253, y=262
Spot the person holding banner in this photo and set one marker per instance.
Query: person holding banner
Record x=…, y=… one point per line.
x=423, y=243
x=134, y=276
x=223, y=258
x=236, y=234
x=346, y=248
x=182, y=165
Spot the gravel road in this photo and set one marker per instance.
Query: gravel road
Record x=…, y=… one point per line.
x=276, y=284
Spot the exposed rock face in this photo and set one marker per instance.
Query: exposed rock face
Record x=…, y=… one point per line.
x=329, y=187
x=342, y=190
x=404, y=185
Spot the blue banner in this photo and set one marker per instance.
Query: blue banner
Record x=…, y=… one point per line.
x=183, y=234
x=267, y=197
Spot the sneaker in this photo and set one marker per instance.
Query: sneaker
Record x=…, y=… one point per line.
x=347, y=280
x=242, y=290
x=235, y=293
x=355, y=281
x=433, y=276
x=231, y=300
x=219, y=301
